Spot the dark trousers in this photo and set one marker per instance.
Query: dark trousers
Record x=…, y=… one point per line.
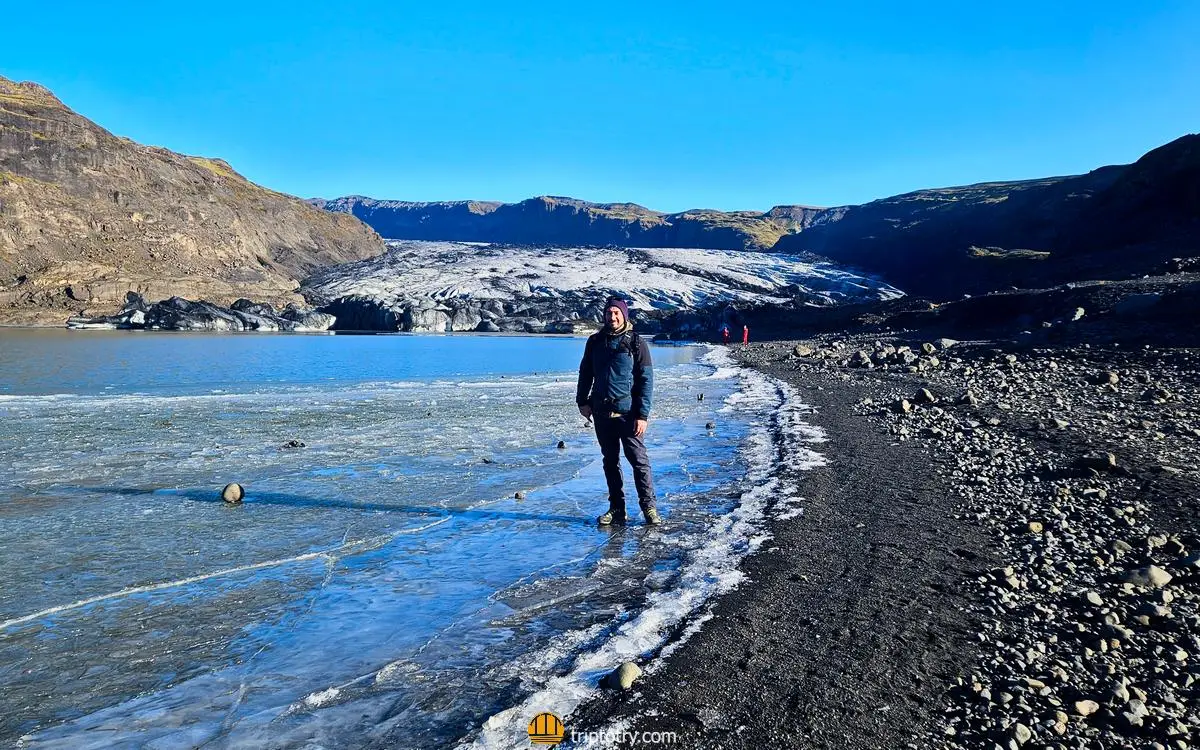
x=614, y=434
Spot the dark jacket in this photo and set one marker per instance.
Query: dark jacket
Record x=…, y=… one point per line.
x=616, y=375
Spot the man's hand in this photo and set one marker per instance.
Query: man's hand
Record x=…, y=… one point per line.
x=586, y=411
x=640, y=428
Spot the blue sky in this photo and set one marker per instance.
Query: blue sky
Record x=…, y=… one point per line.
x=674, y=106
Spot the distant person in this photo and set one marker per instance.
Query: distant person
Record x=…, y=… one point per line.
x=725, y=334
x=745, y=334
x=616, y=383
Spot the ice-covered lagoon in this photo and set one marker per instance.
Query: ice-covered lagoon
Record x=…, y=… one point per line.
x=381, y=585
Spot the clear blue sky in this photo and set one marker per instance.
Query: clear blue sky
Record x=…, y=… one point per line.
x=722, y=105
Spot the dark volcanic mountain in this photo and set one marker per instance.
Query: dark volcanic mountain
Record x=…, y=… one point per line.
x=572, y=222
x=86, y=216
x=1110, y=223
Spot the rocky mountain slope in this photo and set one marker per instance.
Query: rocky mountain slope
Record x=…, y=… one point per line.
x=1114, y=222
x=450, y=286
x=572, y=222
x=86, y=216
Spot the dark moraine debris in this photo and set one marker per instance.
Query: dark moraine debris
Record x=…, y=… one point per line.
x=179, y=314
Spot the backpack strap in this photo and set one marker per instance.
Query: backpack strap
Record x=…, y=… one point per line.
x=633, y=342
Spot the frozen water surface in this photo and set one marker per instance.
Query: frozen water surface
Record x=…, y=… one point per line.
x=380, y=586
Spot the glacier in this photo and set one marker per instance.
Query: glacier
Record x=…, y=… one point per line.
x=462, y=286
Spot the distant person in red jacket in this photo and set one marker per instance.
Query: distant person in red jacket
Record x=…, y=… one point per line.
x=725, y=334
x=745, y=334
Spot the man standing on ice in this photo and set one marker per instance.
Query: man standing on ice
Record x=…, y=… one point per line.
x=616, y=383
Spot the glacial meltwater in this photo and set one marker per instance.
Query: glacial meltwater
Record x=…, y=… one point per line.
x=383, y=585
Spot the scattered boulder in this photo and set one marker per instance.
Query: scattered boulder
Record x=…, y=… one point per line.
x=1099, y=462
x=233, y=494
x=294, y=444
x=860, y=358
x=1020, y=733
x=1157, y=395
x=623, y=677
x=1150, y=576
x=1086, y=707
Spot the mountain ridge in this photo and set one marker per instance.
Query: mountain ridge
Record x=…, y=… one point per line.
x=87, y=216
x=1112, y=222
x=550, y=219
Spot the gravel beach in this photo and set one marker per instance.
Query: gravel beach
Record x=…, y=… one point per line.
x=1003, y=551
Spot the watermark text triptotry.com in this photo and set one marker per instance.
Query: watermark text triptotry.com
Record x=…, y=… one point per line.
x=549, y=730
x=623, y=737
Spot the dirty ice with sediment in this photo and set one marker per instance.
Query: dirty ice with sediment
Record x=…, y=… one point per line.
x=458, y=285
x=380, y=585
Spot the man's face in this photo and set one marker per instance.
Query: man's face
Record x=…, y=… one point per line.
x=614, y=318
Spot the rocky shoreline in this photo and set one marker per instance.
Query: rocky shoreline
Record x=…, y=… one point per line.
x=1004, y=552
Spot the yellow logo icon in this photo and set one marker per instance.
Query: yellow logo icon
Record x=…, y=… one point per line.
x=546, y=729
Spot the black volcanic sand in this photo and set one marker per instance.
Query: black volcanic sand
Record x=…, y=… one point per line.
x=965, y=574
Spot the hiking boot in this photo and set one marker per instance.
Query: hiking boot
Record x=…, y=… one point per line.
x=652, y=517
x=614, y=515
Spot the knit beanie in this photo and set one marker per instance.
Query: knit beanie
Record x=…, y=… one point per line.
x=618, y=303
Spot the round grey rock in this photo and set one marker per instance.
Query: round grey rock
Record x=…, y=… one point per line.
x=623, y=677
x=233, y=493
